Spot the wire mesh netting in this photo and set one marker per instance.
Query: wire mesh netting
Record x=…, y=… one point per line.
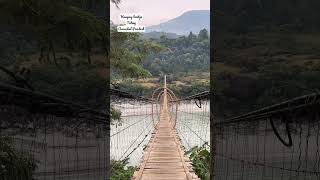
x=282, y=146
x=132, y=132
x=64, y=143
x=139, y=117
x=193, y=123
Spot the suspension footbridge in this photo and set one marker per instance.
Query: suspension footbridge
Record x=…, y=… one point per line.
x=70, y=141
x=164, y=157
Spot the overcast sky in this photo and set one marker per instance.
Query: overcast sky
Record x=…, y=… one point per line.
x=156, y=11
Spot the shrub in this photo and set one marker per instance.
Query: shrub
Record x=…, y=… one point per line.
x=120, y=170
x=200, y=158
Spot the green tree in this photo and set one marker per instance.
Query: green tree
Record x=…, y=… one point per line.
x=184, y=54
x=203, y=34
x=128, y=50
x=191, y=36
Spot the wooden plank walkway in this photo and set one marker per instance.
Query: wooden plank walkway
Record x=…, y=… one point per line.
x=164, y=157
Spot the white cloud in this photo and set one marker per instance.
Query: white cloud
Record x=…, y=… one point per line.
x=157, y=11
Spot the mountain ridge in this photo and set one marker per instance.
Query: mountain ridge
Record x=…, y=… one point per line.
x=193, y=20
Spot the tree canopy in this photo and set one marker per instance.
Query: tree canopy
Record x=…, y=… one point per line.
x=60, y=23
x=128, y=51
x=184, y=54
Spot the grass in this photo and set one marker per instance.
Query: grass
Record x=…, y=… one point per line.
x=148, y=84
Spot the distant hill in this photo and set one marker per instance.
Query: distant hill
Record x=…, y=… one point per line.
x=194, y=21
x=157, y=35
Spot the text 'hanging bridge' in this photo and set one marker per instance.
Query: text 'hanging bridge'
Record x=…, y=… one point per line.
x=154, y=132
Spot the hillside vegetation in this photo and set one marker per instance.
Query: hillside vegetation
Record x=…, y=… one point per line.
x=264, y=52
x=185, y=54
x=184, y=60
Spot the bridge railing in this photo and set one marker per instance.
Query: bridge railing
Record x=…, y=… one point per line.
x=131, y=131
x=276, y=142
x=193, y=119
x=64, y=140
x=140, y=115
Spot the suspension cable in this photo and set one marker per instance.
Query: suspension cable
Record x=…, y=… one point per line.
x=201, y=95
x=196, y=134
x=134, y=141
x=141, y=120
x=125, y=94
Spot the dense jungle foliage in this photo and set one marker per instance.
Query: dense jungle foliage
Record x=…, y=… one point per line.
x=185, y=54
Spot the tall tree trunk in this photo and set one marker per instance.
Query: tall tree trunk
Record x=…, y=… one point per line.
x=47, y=55
x=40, y=59
x=89, y=51
x=89, y=57
x=53, y=53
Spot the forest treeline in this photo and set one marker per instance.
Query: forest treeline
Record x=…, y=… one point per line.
x=62, y=48
x=265, y=51
x=184, y=54
x=57, y=47
x=251, y=15
x=184, y=60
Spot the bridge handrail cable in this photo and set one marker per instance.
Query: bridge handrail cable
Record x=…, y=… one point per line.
x=297, y=103
x=45, y=104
